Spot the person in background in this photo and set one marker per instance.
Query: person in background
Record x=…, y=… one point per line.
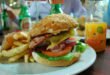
x=12, y=19
x=40, y=9
x=106, y=16
x=11, y=14
x=1, y=33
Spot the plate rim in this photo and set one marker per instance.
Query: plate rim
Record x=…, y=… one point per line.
x=59, y=71
x=91, y=50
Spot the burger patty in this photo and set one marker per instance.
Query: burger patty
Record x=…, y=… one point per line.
x=40, y=42
x=37, y=40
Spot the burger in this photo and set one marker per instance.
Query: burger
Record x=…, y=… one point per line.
x=52, y=41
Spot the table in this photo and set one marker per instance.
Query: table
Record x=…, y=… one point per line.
x=102, y=63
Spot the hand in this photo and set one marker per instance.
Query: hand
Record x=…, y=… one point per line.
x=0, y=10
x=10, y=13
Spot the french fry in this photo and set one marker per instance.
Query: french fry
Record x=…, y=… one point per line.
x=17, y=43
x=26, y=58
x=0, y=48
x=31, y=59
x=13, y=46
x=8, y=41
x=15, y=51
x=20, y=35
x=24, y=41
x=25, y=34
x=0, y=54
x=16, y=57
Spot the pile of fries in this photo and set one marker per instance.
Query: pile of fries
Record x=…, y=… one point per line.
x=16, y=46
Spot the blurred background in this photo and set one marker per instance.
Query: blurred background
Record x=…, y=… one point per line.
x=37, y=9
x=89, y=5
x=14, y=13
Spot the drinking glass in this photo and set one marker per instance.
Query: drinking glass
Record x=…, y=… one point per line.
x=95, y=33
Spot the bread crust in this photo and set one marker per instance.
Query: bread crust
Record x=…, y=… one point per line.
x=55, y=63
x=53, y=24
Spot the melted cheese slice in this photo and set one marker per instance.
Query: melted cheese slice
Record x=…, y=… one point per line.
x=55, y=40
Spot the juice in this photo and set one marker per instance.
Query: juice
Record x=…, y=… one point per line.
x=95, y=33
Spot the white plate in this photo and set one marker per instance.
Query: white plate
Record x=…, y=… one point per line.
x=86, y=60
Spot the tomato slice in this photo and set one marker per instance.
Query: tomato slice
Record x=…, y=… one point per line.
x=71, y=41
x=72, y=38
x=66, y=50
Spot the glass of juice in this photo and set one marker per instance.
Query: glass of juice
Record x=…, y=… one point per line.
x=95, y=35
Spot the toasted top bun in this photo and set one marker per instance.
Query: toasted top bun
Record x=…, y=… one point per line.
x=53, y=24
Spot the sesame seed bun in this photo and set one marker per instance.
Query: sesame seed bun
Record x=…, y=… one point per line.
x=53, y=24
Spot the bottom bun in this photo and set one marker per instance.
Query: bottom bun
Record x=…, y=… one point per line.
x=80, y=32
x=55, y=63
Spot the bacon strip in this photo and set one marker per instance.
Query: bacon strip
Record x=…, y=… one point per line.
x=58, y=48
x=37, y=40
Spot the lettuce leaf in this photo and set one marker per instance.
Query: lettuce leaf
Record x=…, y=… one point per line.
x=67, y=57
x=79, y=47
